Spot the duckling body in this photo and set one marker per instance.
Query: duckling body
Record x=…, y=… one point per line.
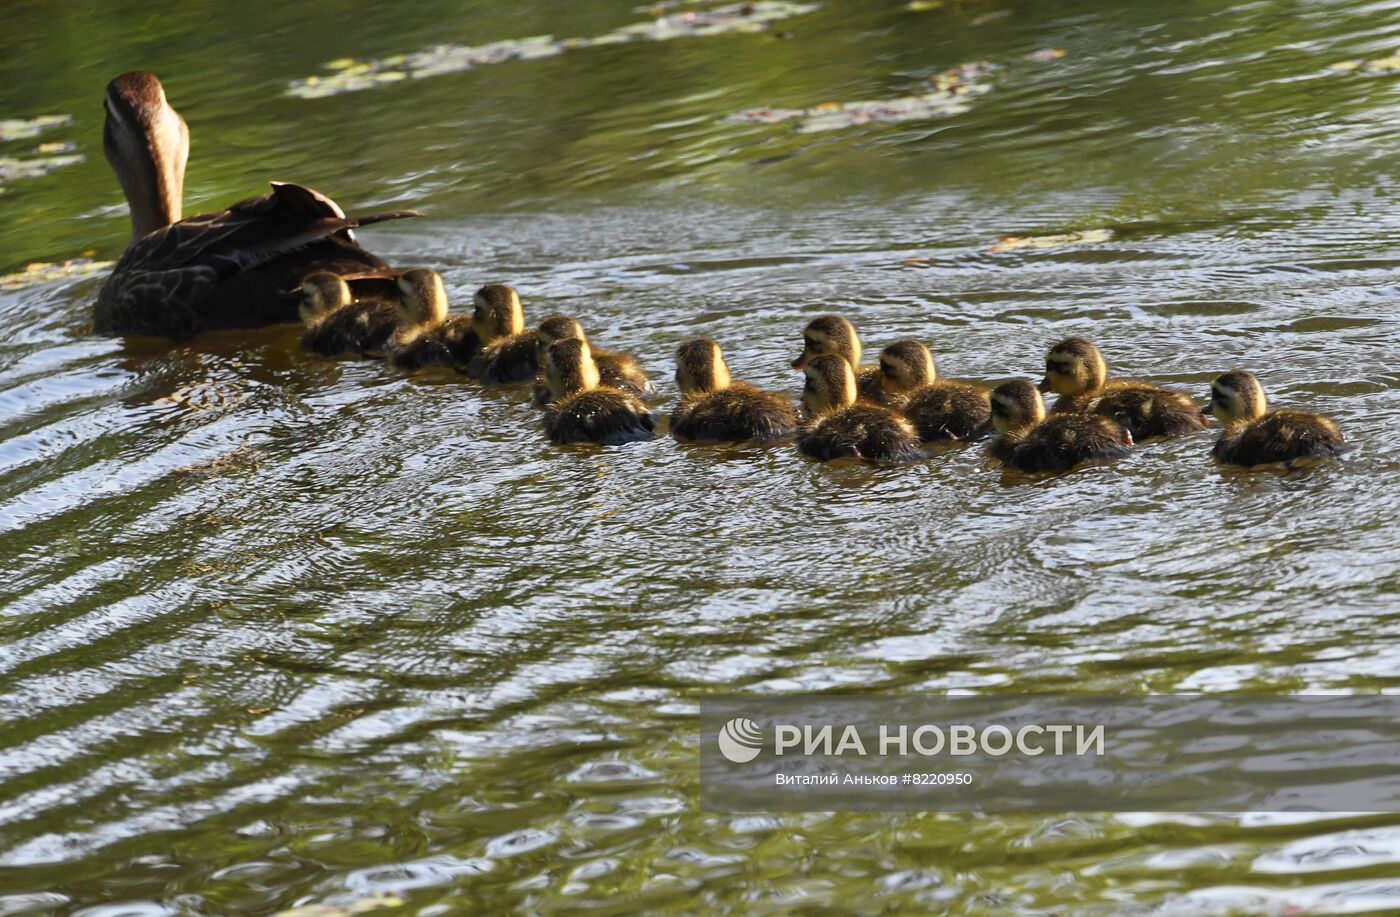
x=601, y=415
x=427, y=336
x=842, y=427
x=715, y=408
x=1078, y=373
x=336, y=326
x=583, y=410
x=507, y=361
x=949, y=411
x=450, y=344
x=832, y=334
x=737, y=413
x=615, y=370
x=361, y=329
x=1032, y=443
x=939, y=410
x=869, y=432
x=1256, y=436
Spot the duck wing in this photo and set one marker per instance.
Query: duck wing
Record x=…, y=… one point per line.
x=230, y=269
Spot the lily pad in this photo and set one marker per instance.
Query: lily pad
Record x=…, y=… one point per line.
x=47, y=272
x=350, y=75
x=11, y=169
x=948, y=96
x=21, y=129
x=1086, y=237
x=1388, y=64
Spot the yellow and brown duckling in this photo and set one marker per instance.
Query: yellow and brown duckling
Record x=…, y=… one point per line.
x=1077, y=372
x=1254, y=435
x=1032, y=443
x=615, y=370
x=585, y=411
x=840, y=426
x=336, y=326
x=940, y=410
x=714, y=407
x=832, y=334
x=427, y=335
x=507, y=349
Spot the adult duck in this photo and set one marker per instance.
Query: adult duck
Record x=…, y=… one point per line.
x=230, y=269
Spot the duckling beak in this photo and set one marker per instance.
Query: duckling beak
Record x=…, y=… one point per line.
x=1128, y=437
x=294, y=293
x=1044, y=385
x=800, y=362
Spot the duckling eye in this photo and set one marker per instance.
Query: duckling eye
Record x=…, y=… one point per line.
x=1056, y=366
x=886, y=369
x=809, y=343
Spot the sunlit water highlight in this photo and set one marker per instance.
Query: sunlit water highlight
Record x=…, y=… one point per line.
x=280, y=631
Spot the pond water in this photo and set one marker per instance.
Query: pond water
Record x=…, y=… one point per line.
x=279, y=631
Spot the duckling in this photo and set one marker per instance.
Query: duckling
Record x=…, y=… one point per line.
x=716, y=408
x=427, y=335
x=615, y=370
x=583, y=410
x=841, y=426
x=1077, y=372
x=1255, y=435
x=938, y=409
x=337, y=326
x=507, y=349
x=1031, y=442
x=832, y=334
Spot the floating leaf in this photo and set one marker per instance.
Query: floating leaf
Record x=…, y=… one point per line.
x=994, y=16
x=914, y=261
x=924, y=6
x=350, y=75
x=46, y=272
x=1389, y=64
x=1046, y=54
x=11, y=169
x=1088, y=236
x=18, y=129
x=374, y=902
x=948, y=97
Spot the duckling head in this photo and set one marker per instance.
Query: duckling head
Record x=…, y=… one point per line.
x=906, y=366
x=830, y=385
x=569, y=368
x=700, y=367
x=556, y=328
x=322, y=292
x=1016, y=404
x=829, y=334
x=422, y=297
x=1236, y=396
x=1074, y=366
x=498, y=313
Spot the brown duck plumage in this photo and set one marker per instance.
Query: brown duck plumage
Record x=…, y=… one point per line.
x=230, y=269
